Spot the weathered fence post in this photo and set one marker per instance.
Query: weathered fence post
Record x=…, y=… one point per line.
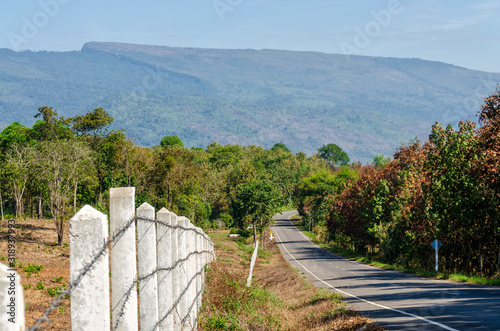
x=146, y=253
x=11, y=300
x=165, y=262
x=88, y=232
x=123, y=259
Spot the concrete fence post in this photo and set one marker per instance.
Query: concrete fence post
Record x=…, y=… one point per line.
x=11, y=300
x=165, y=262
x=199, y=267
x=123, y=260
x=88, y=231
x=183, y=224
x=191, y=267
x=176, y=274
x=146, y=254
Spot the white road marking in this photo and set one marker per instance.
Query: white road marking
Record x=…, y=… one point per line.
x=361, y=299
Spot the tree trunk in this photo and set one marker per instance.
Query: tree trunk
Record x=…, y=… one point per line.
x=452, y=262
x=60, y=231
x=498, y=262
x=1, y=205
x=480, y=261
x=74, y=198
x=469, y=258
x=254, y=232
x=39, y=208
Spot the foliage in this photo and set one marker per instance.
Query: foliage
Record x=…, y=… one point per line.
x=280, y=146
x=333, y=154
x=380, y=161
x=171, y=141
x=256, y=202
x=445, y=188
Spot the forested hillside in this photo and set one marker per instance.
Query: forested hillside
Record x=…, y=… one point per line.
x=366, y=105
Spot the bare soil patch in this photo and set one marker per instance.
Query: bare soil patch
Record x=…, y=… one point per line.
x=36, y=245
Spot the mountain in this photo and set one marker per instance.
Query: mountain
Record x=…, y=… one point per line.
x=366, y=105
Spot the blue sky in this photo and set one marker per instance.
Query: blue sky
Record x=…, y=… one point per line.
x=464, y=33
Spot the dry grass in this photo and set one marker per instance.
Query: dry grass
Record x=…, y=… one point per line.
x=36, y=244
x=279, y=299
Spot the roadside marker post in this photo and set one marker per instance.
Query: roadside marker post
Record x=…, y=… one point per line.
x=436, y=244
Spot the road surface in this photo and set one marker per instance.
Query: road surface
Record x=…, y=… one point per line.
x=394, y=300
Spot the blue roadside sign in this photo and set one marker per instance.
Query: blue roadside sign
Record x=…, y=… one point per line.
x=436, y=244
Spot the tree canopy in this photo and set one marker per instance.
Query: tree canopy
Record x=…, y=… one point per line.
x=333, y=154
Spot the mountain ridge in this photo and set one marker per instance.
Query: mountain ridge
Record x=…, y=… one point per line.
x=368, y=106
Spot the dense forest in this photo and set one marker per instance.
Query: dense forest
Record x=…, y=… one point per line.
x=60, y=164
x=447, y=188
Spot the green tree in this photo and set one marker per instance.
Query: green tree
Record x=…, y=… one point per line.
x=256, y=201
x=14, y=134
x=93, y=123
x=19, y=159
x=281, y=146
x=379, y=161
x=171, y=141
x=333, y=154
x=51, y=126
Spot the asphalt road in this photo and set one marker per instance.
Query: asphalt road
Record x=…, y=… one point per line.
x=394, y=300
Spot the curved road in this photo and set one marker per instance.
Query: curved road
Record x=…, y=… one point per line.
x=394, y=300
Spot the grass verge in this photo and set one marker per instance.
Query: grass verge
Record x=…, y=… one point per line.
x=351, y=255
x=279, y=298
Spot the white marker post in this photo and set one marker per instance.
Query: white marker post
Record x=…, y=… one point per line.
x=436, y=244
x=252, y=264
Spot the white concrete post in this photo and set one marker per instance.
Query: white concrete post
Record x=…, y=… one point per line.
x=88, y=231
x=252, y=264
x=176, y=274
x=165, y=276
x=123, y=259
x=146, y=254
x=183, y=223
x=12, y=300
x=191, y=267
x=199, y=266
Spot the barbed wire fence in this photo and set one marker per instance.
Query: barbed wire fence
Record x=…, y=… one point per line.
x=169, y=252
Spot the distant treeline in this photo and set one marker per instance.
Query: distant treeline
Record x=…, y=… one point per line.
x=447, y=188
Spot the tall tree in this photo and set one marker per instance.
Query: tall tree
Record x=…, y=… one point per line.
x=93, y=123
x=171, y=141
x=59, y=165
x=17, y=170
x=257, y=202
x=333, y=154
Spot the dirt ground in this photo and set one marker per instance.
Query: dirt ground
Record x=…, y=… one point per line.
x=36, y=244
